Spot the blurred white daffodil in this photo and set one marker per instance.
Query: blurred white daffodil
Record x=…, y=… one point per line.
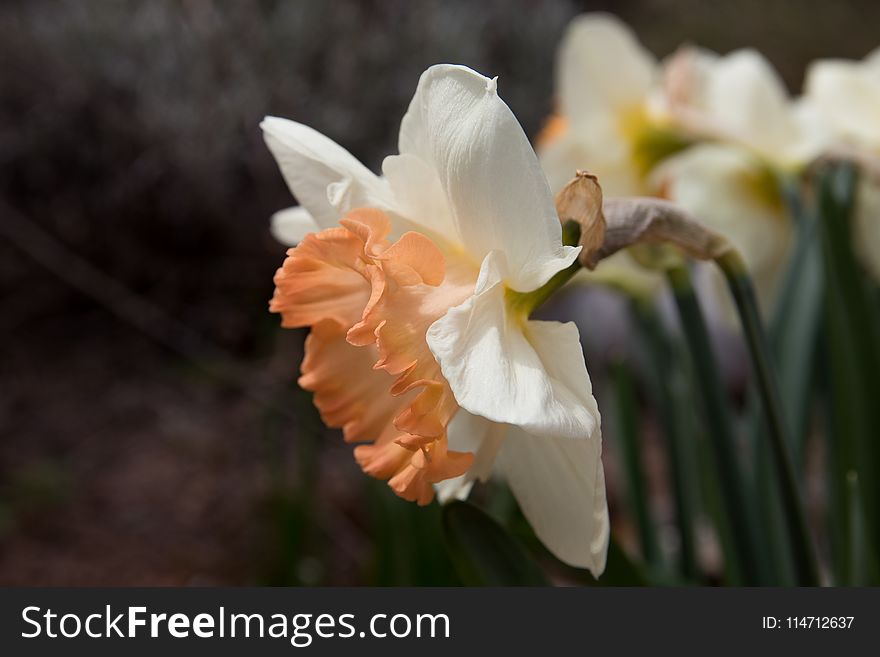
x=711, y=133
x=739, y=99
x=846, y=94
x=423, y=274
x=755, y=135
x=609, y=122
x=737, y=195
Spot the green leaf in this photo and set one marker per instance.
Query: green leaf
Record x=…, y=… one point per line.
x=668, y=391
x=793, y=336
x=737, y=530
x=620, y=570
x=853, y=345
x=482, y=551
x=629, y=445
x=407, y=542
x=794, y=328
x=766, y=379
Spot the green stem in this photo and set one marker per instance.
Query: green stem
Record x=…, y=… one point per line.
x=857, y=539
x=628, y=433
x=852, y=324
x=743, y=557
x=740, y=284
x=662, y=379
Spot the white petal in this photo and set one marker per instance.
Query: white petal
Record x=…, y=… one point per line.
x=748, y=100
x=469, y=433
x=311, y=163
x=560, y=487
x=525, y=373
x=848, y=95
x=602, y=69
x=291, y=225
x=495, y=191
x=872, y=63
x=457, y=488
x=418, y=197
x=734, y=194
x=814, y=133
x=601, y=152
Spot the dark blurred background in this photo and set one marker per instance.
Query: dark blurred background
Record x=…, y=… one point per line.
x=150, y=428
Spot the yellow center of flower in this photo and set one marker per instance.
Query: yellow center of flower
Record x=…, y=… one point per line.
x=651, y=140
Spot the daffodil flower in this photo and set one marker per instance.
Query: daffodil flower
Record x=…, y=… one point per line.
x=736, y=195
x=753, y=135
x=711, y=133
x=609, y=121
x=624, y=112
x=846, y=95
x=416, y=287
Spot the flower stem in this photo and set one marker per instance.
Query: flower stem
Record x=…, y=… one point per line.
x=665, y=387
x=627, y=417
x=740, y=284
x=737, y=535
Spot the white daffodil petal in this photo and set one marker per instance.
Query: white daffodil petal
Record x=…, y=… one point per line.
x=470, y=433
x=291, y=225
x=601, y=152
x=872, y=63
x=848, y=96
x=746, y=98
x=457, y=488
x=602, y=69
x=733, y=193
x=496, y=193
x=311, y=163
x=560, y=487
x=525, y=373
x=419, y=197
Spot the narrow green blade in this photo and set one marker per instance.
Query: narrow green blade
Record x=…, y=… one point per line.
x=482, y=551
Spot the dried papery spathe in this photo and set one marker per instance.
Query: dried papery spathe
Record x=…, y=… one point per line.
x=646, y=220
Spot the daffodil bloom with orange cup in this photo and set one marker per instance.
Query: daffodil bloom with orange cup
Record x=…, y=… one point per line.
x=421, y=348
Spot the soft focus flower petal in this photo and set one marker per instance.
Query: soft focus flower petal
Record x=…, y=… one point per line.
x=736, y=194
x=495, y=190
x=603, y=77
x=311, y=163
x=602, y=69
x=847, y=94
x=290, y=226
x=746, y=99
x=560, y=487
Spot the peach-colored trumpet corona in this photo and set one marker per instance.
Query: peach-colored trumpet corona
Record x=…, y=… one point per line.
x=370, y=303
x=416, y=286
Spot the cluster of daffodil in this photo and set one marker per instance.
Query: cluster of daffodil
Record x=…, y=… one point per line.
x=418, y=286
